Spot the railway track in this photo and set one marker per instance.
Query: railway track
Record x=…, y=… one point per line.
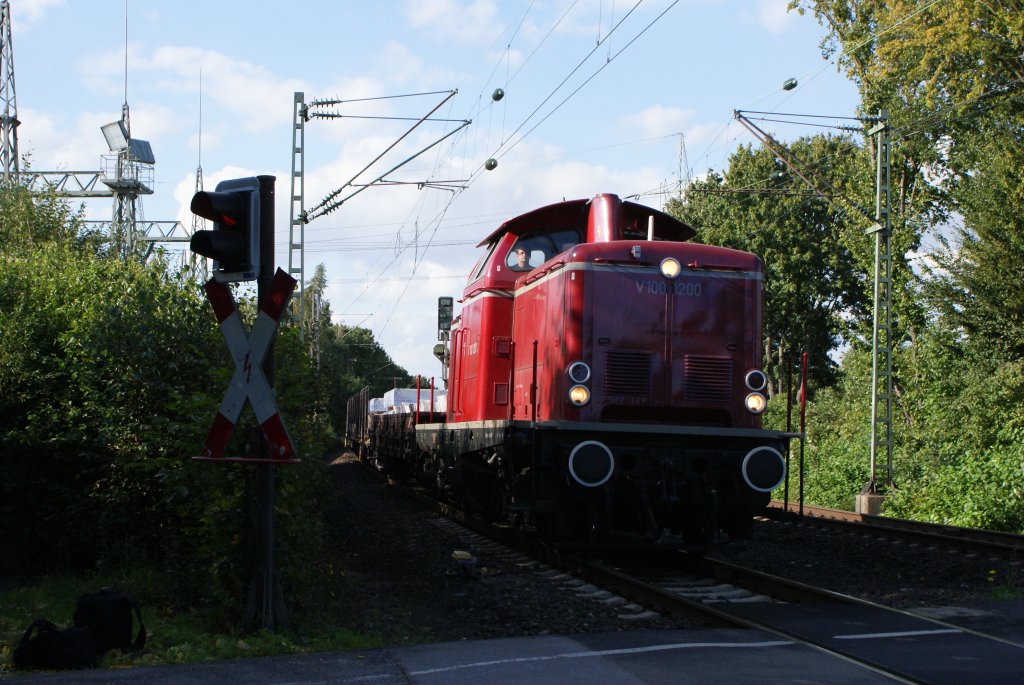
x=969, y=540
x=894, y=644
x=900, y=645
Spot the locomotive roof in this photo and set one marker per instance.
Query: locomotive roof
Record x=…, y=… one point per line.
x=575, y=213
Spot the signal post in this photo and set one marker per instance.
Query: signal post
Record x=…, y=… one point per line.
x=241, y=246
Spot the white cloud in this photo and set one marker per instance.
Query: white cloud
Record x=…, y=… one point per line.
x=25, y=13
x=54, y=144
x=238, y=86
x=472, y=22
x=774, y=15
x=658, y=121
x=150, y=120
x=398, y=65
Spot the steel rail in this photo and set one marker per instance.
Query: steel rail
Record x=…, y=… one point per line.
x=970, y=540
x=783, y=589
x=664, y=601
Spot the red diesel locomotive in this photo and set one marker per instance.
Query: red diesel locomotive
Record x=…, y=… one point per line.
x=604, y=381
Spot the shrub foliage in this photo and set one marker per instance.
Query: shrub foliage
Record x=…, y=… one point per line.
x=112, y=371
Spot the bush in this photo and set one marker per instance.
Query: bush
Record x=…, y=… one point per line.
x=980, y=490
x=112, y=372
x=103, y=370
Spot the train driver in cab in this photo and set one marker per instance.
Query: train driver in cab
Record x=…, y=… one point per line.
x=531, y=250
x=519, y=259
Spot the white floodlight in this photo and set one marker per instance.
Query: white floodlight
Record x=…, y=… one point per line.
x=116, y=135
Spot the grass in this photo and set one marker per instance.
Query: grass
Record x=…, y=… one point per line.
x=174, y=637
x=1004, y=588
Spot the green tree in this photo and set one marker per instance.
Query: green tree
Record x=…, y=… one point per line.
x=814, y=250
x=33, y=220
x=944, y=69
x=346, y=359
x=974, y=284
x=98, y=359
x=952, y=75
x=317, y=315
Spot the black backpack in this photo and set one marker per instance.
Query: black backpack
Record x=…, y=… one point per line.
x=51, y=647
x=108, y=614
x=103, y=621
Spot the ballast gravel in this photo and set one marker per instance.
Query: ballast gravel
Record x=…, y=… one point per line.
x=403, y=584
x=883, y=571
x=410, y=576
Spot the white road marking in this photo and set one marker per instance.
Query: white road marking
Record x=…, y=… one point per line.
x=607, y=652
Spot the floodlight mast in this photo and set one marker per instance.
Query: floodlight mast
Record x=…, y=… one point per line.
x=869, y=500
x=123, y=186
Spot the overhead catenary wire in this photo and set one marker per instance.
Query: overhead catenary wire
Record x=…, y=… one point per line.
x=472, y=177
x=813, y=116
x=509, y=143
x=328, y=204
x=557, y=87
x=507, y=139
x=555, y=90
x=810, y=76
x=512, y=140
x=897, y=133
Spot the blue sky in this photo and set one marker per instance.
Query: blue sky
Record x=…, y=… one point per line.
x=597, y=95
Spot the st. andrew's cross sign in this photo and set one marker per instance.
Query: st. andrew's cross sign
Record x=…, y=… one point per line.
x=249, y=382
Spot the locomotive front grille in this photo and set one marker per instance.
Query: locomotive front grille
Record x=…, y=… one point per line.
x=627, y=373
x=707, y=379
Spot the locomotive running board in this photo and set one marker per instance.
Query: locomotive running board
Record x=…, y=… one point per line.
x=490, y=433
x=661, y=428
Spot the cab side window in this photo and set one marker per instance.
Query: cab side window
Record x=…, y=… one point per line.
x=484, y=260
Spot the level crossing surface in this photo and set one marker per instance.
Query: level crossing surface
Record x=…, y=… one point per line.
x=707, y=657
x=676, y=657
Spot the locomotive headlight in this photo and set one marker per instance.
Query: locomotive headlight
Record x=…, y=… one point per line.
x=579, y=395
x=670, y=267
x=756, y=402
x=756, y=380
x=579, y=372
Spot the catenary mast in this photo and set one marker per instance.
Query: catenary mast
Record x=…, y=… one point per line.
x=9, y=119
